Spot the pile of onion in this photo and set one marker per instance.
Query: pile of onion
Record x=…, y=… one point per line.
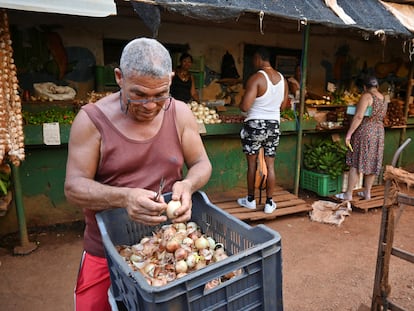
x=204, y=114
x=172, y=252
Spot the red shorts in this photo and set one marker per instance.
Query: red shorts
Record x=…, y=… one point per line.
x=91, y=292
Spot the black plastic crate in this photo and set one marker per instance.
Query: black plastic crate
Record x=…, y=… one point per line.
x=255, y=250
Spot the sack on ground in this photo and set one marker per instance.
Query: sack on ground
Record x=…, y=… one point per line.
x=330, y=212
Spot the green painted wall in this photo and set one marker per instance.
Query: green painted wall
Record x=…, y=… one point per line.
x=42, y=174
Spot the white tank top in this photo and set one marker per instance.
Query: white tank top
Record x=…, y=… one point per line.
x=267, y=106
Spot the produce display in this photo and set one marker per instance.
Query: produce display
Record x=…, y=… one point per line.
x=290, y=115
x=395, y=113
x=232, y=118
x=335, y=99
x=174, y=251
x=326, y=157
x=57, y=113
x=11, y=123
x=5, y=179
x=48, y=116
x=204, y=114
x=411, y=109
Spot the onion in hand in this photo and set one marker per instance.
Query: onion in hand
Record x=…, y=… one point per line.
x=172, y=207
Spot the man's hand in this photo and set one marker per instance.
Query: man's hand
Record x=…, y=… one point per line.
x=142, y=208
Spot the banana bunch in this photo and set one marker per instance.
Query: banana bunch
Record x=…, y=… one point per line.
x=317, y=102
x=326, y=157
x=351, y=98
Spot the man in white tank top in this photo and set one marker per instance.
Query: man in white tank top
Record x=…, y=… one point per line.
x=265, y=95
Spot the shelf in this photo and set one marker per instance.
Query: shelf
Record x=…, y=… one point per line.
x=37, y=106
x=326, y=106
x=234, y=128
x=33, y=134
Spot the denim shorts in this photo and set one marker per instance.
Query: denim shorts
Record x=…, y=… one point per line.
x=256, y=134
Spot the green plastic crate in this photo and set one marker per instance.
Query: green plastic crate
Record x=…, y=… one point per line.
x=322, y=184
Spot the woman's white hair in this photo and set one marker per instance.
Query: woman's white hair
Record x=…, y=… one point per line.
x=147, y=57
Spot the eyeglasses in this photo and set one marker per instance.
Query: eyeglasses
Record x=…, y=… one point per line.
x=145, y=101
x=157, y=100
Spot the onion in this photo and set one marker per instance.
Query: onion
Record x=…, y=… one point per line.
x=172, y=245
x=180, y=254
x=213, y=283
x=211, y=243
x=194, y=235
x=188, y=241
x=180, y=226
x=181, y=266
x=206, y=253
x=158, y=282
x=149, y=269
x=233, y=274
x=180, y=275
x=172, y=207
x=191, y=227
x=191, y=260
x=171, y=276
x=136, y=258
x=219, y=256
x=139, y=264
x=201, y=243
x=126, y=252
x=169, y=232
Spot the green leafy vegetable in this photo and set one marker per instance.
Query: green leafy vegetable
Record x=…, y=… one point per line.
x=48, y=116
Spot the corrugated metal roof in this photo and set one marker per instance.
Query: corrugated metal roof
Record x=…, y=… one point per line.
x=370, y=15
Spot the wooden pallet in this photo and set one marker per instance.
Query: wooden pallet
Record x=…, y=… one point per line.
x=376, y=201
x=287, y=204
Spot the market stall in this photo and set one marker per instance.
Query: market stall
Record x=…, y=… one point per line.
x=43, y=171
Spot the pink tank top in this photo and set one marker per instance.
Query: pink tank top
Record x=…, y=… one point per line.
x=132, y=163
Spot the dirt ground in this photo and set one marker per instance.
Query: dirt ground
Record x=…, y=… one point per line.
x=324, y=267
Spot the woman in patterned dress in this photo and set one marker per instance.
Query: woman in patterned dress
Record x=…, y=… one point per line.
x=365, y=139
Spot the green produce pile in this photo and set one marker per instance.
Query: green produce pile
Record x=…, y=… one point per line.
x=49, y=116
x=5, y=179
x=4, y=183
x=325, y=156
x=289, y=114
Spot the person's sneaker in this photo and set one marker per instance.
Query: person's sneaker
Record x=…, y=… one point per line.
x=246, y=203
x=269, y=208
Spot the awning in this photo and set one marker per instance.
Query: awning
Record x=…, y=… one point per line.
x=92, y=8
x=369, y=15
x=403, y=12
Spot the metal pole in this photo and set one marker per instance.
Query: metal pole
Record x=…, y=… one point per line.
x=407, y=100
x=304, y=64
x=26, y=246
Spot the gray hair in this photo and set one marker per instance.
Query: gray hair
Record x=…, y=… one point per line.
x=146, y=57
